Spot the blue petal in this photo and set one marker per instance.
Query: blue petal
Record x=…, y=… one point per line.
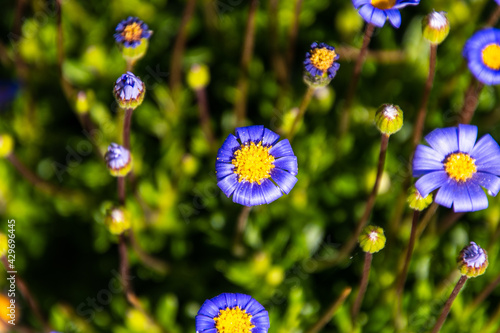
x=358, y=3
x=282, y=148
x=477, y=196
x=488, y=181
x=231, y=300
x=257, y=196
x=426, y=159
x=444, y=140
x=269, y=137
x=261, y=319
x=220, y=301
x=223, y=170
x=250, y=133
x=431, y=181
x=228, y=184
x=204, y=323
x=394, y=17
x=284, y=179
x=288, y=163
x=461, y=199
x=467, y=135
x=243, y=300
x=270, y=191
x=209, y=309
x=446, y=193
x=373, y=15
x=242, y=193
x=230, y=144
x=403, y=3
x=253, y=307
x=486, y=152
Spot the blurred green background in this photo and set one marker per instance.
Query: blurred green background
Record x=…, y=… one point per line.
x=65, y=253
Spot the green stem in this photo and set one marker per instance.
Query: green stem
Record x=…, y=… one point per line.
x=302, y=110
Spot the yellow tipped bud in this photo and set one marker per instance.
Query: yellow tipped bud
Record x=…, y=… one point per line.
x=82, y=103
x=3, y=244
x=435, y=27
x=6, y=145
x=117, y=220
x=198, y=77
x=389, y=118
x=372, y=239
x=418, y=202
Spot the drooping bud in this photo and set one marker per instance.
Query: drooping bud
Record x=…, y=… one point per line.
x=372, y=239
x=389, y=118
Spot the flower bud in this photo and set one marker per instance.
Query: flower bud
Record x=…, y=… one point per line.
x=117, y=220
x=4, y=246
x=389, y=118
x=416, y=201
x=129, y=91
x=435, y=27
x=6, y=145
x=198, y=77
x=472, y=260
x=132, y=35
x=119, y=160
x=372, y=239
x=82, y=103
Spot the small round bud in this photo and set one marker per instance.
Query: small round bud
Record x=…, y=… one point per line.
x=82, y=103
x=418, y=202
x=132, y=35
x=117, y=220
x=6, y=145
x=372, y=239
x=4, y=246
x=389, y=118
x=129, y=91
x=198, y=77
x=119, y=160
x=435, y=27
x=472, y=260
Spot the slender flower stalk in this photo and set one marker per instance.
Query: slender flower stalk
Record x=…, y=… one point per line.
x=470, y=101
x=248, y=46
x=127, y=122
x=198, y=79
x=332, y=309
x=302, y=110
x=449, y=302
x=179, y=48
x=362, y=286
x=344, y=120
x=238, y=249
x=292, y=36
x=493, y=19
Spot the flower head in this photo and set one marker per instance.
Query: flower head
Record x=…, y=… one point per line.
x=378, y=11
x=389, y=118
x=482, y=52
x=6, y=145
x=232, y=313
x=246, y=164
x=418, y=202
x=320, y=66
x=435, y=27
x=472, y=260
x=117, y=220
x=459, y=166
x=372, y=239
x=129, y=91
x=119, y=160
x=131, y=32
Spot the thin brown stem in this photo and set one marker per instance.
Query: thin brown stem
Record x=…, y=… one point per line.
x=238, y=249
x=24, y=290
x=179, y=47
x=362, y=286
x=127, y=122
x=492, y=21
x=449, y=221
x=302, y=110
x=404, y=272
x=204, y=113
x=351, y=243
x=344, y=120
x=449, y=302
x=294, y=30
x=248, y=46
x=121, y=190
x=422, y=111
x=470, y=101
x=332, y=309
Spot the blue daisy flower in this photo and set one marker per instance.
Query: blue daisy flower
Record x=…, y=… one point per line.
x=231, y=313
x=459, y=166
x=482, y=52
x=129, y=91
x=254, y=167
x=131, y=31
x=377, y=12
x=320, y=60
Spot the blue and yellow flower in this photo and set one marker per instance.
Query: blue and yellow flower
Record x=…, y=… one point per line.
x=472, y=260
x=482, y=52
x=320, y=60
x=129, y=91
x=249, y=164
x=119, y=160
x=377, y=12
x=231, y=313
x=459, y=166
x=131, y=32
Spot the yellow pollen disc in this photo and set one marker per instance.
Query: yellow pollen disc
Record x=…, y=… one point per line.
x=383, y=4
x=253, y=162
x=233, y=320
x=132, y=32
x=491, y=56
x=322, y=58
x=460, y=166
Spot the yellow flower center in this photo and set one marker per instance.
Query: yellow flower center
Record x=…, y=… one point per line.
x=233, y=320
x=383, y=4
x=460, y=166
x=491, y=56
x=253, y=162
x=322, y=58
x=132, y=32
